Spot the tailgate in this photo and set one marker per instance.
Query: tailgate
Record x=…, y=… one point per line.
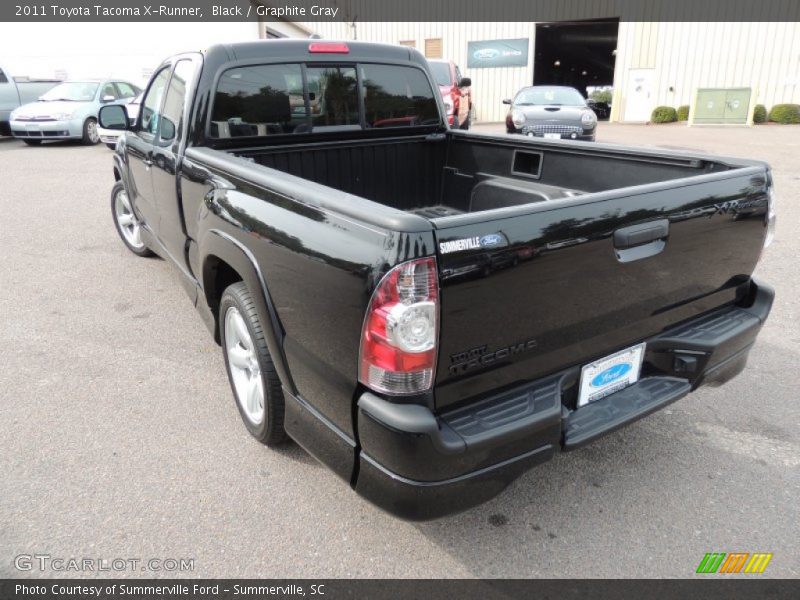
x=564, y=282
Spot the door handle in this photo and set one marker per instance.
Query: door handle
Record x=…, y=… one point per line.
x=641, y=241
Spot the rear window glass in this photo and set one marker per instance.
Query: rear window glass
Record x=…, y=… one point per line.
x=258, y=100
x=397, y=96
x=263, y=100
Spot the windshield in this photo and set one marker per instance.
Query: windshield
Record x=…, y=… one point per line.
x=441, y=72
x=73, y=91
x=549, y=96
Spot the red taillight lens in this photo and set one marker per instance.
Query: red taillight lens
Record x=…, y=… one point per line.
x=328, y=48
x=455, y=96
x=398, y=343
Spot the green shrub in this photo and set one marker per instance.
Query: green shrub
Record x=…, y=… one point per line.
x=785, y=113
x=760, y=114
x=601, y=96
x=683, y=112
x=664, y=114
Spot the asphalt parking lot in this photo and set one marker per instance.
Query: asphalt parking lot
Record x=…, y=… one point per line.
x=121, y=438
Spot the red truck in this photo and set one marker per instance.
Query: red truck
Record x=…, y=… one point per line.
x=455, y=91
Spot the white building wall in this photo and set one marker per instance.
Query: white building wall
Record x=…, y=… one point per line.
x=684, y=56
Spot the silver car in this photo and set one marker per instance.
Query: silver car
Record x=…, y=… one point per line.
x=68, y=111
x=551, y=112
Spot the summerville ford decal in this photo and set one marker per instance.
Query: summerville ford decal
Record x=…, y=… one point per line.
x=492, y=240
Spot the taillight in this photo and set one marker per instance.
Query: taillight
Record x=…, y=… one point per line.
x=328, y=48
x=398, y=342
x=455, y=94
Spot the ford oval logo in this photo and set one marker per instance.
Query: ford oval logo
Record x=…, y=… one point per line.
x=611, y=374
x=486, y=54
x=491, y=240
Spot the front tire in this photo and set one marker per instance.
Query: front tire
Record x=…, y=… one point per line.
x=128, y=225
x=33, y=142
x=90, y=135
x=255, y=384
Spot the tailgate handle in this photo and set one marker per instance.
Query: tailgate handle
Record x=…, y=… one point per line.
x=636, y=235
x=641, y=241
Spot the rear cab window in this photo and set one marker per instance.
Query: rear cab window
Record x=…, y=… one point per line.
x=298, y=98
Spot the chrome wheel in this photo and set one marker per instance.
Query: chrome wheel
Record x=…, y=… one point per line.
x=129, y=225
x=91, y=131
x=244, y=367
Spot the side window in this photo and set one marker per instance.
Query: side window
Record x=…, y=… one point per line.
x=333, y=96
x=172, y=113
x=151, y=105
x=3, y=78
x=397, y=96
x=108, y=92
x=458, y=75
x=125, y=90
x=259, y=100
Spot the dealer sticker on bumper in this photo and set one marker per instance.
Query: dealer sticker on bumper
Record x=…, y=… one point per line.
x=610, y=374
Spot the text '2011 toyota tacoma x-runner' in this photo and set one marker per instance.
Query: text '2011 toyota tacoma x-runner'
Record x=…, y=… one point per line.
x=430, y=312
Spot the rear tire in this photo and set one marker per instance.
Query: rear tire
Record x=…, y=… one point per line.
x=32, y=142
x=90, y=135
x=128, y=225
x=256, y=387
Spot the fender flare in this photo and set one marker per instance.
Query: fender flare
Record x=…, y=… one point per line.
x=121, y=168
x=223, y=246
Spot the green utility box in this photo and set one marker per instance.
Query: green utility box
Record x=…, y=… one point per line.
x=722, y=106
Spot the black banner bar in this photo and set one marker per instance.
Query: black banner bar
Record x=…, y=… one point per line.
x=396, y=10
x=711, y=588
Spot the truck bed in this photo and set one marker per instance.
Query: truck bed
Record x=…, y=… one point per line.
x=563, y=223
x=439, y=176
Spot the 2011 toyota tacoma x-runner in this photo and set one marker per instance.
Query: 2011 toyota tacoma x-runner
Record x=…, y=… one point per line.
x=430, y=312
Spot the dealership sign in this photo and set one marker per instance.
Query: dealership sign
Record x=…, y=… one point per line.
x=497, y=53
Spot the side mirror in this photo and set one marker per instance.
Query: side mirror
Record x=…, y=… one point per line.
x=167, y=130
x=113, y=117
x=465, y=82
x=507, y=101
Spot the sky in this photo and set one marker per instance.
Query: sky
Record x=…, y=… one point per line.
x=129, y=51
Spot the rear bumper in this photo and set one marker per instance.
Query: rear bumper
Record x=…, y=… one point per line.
x=108, y=136
x=418, y=465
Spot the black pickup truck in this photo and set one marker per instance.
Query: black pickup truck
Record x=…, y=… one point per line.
x=428, y=311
